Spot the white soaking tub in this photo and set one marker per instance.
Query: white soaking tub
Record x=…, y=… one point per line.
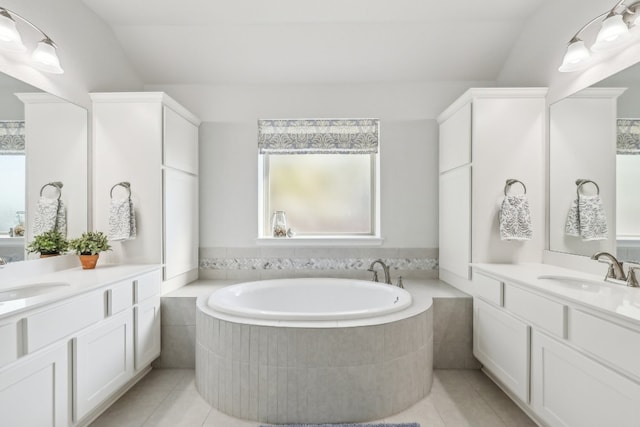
x=313, y=350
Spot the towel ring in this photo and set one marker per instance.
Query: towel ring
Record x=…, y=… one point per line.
x=510, y=182
x=124, y=184
x=55, y=184
x=581, y=182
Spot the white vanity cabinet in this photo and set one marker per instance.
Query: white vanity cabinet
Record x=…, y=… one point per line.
x=487, y=136
x=65, y=360
x=569, y=366
x=150, y=141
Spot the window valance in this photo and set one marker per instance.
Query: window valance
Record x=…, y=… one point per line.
x=12, y=137
x=327, y=136
x=628, y=139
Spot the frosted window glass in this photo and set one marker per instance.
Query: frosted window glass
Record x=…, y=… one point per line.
x=322, y=193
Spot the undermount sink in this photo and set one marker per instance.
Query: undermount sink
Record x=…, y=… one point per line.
x=576, y=282
x=30, y=290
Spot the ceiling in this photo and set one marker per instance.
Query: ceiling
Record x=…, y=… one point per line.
x=305, y=41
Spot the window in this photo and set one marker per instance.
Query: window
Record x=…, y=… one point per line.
x=322, y=173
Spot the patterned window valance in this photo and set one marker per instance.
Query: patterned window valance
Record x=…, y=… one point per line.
x=628, y=139
x=328, y=136
x=11, y=137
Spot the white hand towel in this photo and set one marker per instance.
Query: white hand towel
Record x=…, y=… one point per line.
x=45, y=216
x=61, y=219
x=515, y=218
x=122, y=219
x=587, y=219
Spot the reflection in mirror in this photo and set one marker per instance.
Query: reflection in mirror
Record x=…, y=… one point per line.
x=595, y=135
x=54, y=148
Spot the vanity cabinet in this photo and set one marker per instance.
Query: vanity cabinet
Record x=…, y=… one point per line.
x=482, y=127
x=567, y=365
x=150, y=141
x=70, y=357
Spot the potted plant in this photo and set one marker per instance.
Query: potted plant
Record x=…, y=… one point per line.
x=49, y=243
x=88, y=247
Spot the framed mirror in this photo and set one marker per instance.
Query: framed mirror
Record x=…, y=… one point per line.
x=594, y=163
x=43, y=139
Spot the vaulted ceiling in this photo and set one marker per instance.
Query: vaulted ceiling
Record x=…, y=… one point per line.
x=315, y=41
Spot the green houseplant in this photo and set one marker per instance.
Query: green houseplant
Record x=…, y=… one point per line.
x=49, y=243
x=88, y=247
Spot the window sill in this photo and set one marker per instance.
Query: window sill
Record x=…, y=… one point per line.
x=316, y=241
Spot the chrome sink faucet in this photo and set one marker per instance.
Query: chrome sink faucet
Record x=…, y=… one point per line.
x=615, y=267
x=385, y=268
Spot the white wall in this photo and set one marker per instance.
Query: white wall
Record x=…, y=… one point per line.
x=628, y=204
x=409, y=153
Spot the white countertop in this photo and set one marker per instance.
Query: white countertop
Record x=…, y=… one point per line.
x=611, y=298
x=80, y=281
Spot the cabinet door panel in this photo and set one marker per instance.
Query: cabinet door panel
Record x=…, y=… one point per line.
x=147, y=335
x=501, y=343
x=103, y=361
x=180, y=223
x=455, y=139
x=35, y=390
x=180, y=148
x=569, y=389
x=9, y=340
x=455, y=221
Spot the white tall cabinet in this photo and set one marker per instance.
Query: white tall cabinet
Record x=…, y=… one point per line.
x=487, y=136
x=151, y=141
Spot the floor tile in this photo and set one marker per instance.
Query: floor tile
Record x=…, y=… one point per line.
x=182, y=408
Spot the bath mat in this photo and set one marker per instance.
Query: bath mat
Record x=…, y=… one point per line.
x=346, y=425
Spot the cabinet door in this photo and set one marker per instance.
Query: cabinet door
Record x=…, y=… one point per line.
x=34, y=391
x=455, y=139
x=180, y=223
x=501, y=343
x=455, y=221
x=569, y=389
x=147, y=331
x=103, y=361
x=180, y=148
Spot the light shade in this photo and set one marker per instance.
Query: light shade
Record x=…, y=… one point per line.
x=9, y=36
x=576, y=57
x=614, y=33
x=45, y=57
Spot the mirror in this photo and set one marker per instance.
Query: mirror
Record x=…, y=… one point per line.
x=42, y=139
x=594, y=135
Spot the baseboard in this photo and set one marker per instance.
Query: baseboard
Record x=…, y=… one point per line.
x=179, y=281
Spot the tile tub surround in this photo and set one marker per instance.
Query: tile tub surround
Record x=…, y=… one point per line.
x=280, y=374
x=452, y=324
x=280, y=262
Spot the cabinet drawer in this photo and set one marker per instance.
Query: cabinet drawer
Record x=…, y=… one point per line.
x=616, y=344
x=120, y=297
x=488, y=288
x=147, y=286
x=51, y=325
x=9, y=340
x=540, y=311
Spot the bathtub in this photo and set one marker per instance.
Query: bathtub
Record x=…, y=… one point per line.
x=309, y=299
x=313, y=350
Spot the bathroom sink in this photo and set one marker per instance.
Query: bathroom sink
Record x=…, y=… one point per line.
x=30, y=290
x=590, y=285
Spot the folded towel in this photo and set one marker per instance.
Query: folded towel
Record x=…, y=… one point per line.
x=587, y=219
x=515, y=218
x=50, y=215
x=122, y=219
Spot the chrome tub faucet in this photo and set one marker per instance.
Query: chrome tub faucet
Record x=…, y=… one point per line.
x=387, y=275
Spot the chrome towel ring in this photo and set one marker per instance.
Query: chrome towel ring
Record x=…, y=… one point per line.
x=124, y=184
x=55, y=184
x=581, y=182
x=512, y=181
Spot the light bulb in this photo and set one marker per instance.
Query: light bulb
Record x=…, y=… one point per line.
x=614, y=33
x=45, y=57
x=576, y=57
x=9, y=36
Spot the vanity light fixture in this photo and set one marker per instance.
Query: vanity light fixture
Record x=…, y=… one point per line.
x=615, y=32
x=44, y=57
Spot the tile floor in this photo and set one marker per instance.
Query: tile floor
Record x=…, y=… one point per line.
x=458, y=398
